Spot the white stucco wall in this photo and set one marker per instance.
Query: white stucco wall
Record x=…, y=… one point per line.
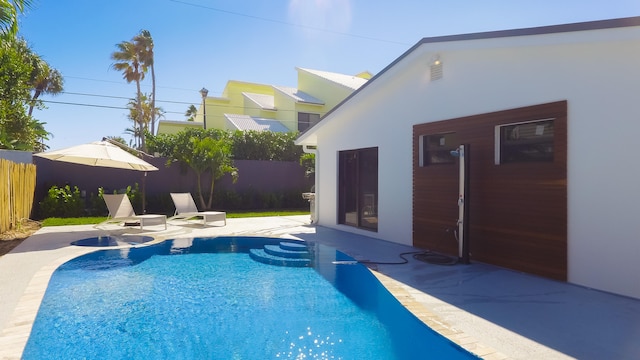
x=597, y=72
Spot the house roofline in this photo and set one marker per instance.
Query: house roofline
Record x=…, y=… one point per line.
x=181, y=122
x=311, y=72
x=295, y=98
x=540, y=30
x=249, y=96
x=242, y=82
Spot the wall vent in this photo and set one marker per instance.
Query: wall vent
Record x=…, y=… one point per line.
x=436, y=71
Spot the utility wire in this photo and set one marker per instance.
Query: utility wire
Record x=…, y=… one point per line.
x=157, y=101
x=87, y=105
x=120, y=82
x=99, y=106
x=164, y=112
x=124, y=97
x=281, y=22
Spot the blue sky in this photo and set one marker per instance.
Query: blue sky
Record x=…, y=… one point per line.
x=201, y=43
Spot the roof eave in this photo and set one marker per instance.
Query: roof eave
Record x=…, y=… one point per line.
x=257, y=103
x=181, y=122
x=329, y=80
x=297, y=99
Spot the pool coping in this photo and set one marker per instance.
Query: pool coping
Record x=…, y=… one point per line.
x=403, y=294
x=15, y=334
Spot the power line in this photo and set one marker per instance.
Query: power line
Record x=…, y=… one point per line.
x=121, y=83
x=99, y=106
x=157, y=101
x=281, y=22
x=79, y=104
x=164, y=113
x=125, y=98
x=96, y=95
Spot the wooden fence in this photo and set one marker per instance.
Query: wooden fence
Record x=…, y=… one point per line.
x=17, y=188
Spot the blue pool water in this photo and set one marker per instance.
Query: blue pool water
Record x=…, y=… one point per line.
x=207, y=299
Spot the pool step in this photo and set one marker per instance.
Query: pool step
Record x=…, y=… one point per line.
x=277, y=250
x=293, y=246
x=284, y=254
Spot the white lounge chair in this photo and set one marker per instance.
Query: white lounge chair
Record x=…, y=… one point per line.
x=186, y=209
x=121, y=211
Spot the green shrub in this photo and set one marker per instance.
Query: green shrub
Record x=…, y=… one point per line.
x=245, y=145
x=308, y=162
x=231, y=200
x=135, y=197
x=265, y=145
x=65, y=202
x=96, y=205
x=62, y=202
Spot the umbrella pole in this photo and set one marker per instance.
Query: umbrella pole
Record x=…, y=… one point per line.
x=144, y=193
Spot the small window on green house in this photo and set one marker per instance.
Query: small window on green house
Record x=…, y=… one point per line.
x=307, y=120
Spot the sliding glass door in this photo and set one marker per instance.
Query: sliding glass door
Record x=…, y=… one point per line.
x=358, y=188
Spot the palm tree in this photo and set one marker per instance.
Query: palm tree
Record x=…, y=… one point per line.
x=135, y=137
x=191, y=113
x=19, y=130
x=45, y=80
x=39, y=134
x=9, y=11
x=136, y=131
x=144, y=45
x=141, y=120
x=128, y=61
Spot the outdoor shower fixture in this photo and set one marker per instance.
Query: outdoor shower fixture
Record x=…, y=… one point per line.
x=462, y=153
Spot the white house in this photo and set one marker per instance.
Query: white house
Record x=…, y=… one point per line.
x=549, y=116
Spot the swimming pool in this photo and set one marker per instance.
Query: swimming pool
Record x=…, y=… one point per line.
x=207, y=298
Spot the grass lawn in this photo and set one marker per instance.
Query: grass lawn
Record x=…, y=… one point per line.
x=97, y=220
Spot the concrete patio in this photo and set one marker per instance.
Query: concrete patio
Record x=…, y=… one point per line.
x=493, y=312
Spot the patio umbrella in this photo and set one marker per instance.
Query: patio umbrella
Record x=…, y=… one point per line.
x=102, y=154
x=99, y=153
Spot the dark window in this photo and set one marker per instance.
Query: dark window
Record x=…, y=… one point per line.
x=527, y=142
x=358, y=188
x=436, y=149
x=307, y=120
